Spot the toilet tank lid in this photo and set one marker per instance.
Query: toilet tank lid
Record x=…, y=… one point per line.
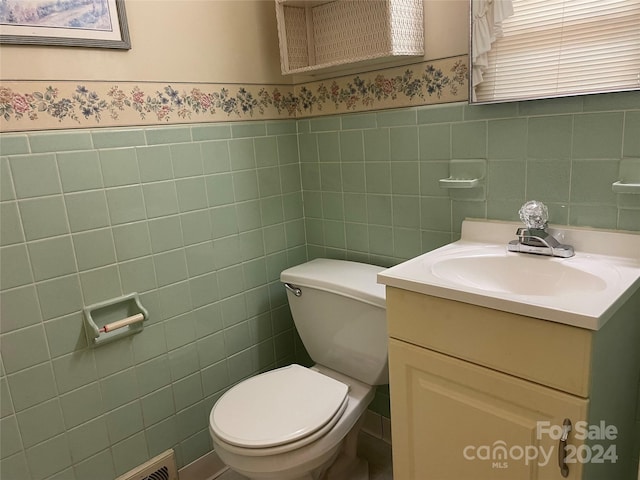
x=342, y=277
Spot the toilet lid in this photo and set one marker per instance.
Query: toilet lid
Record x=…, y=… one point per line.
x=277, y=407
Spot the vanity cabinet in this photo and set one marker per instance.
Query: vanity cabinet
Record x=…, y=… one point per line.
x=475, y=391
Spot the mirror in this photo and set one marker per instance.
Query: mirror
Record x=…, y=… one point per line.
x=531, y=49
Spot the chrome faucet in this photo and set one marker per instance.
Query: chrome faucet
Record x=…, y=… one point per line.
x=534, y=238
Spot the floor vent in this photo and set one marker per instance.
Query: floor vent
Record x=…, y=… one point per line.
x=162, y=467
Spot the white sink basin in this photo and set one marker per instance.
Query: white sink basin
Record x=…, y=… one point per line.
x=584, y=290
x=518, y=273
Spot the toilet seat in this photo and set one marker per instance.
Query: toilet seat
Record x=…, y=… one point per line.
x=265, y=411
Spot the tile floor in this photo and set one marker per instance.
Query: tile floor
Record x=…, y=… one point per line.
x=378, y=453
x=374, y=450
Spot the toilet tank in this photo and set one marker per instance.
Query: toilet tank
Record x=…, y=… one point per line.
x=340, y=315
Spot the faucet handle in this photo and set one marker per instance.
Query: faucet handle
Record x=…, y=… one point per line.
x=534, y=215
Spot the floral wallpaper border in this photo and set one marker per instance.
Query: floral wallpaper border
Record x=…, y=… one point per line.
x=27, y=105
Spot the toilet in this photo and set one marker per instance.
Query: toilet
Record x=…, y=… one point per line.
x=302, y=423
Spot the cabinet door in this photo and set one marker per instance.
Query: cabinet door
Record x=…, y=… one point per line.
x=454, y=420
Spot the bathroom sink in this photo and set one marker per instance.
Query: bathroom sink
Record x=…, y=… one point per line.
x=583, y=290
x=518, y=273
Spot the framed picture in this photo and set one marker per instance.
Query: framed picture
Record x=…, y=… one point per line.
x=82, y=23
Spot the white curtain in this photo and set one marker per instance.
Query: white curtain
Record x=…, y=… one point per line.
x=486, y=28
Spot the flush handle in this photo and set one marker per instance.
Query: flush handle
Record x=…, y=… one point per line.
x=293, y=289
x=566, y=428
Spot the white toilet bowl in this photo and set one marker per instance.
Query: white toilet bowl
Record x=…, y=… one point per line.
x=291, y=451
x=299, y=423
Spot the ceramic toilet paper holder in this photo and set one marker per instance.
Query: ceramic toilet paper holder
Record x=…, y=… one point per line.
x=114, y=318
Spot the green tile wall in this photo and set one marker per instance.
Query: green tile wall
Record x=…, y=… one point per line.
x=201, y=219
x=370, y=181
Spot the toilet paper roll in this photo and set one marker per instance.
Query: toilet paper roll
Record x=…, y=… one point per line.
x=122, y=323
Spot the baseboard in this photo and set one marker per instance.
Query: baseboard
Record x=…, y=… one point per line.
x=207, y=467
x=377, y=426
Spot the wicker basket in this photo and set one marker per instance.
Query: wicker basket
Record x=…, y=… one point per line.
x=320, y=34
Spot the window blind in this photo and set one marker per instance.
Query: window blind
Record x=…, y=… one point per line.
x=556, y=47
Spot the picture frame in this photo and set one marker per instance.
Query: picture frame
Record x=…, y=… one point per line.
x=73, y=23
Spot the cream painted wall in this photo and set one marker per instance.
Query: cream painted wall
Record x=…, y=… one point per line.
x=446, y=28
x=211, y=41
x=221, y=41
